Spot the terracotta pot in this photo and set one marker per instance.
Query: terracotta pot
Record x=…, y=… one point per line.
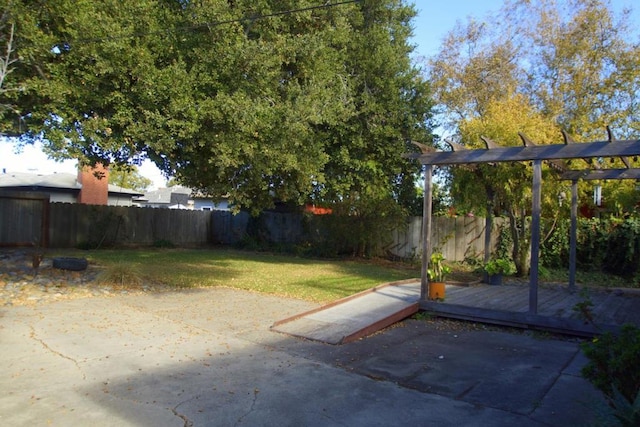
x=436, y=290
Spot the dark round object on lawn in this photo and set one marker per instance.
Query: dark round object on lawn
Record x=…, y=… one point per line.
x=73, y=264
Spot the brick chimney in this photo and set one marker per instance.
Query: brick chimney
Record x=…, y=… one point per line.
x=95, y=185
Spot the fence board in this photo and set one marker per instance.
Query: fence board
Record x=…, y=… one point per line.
x=73, y=225
x=457, y=238
x=228, y=228
x=78, y=225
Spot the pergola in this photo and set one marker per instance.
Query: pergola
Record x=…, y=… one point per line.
x=536, y=154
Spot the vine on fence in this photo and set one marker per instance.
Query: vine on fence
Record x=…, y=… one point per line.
x=607, y=245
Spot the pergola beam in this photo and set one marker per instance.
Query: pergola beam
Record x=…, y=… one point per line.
x=591, y=175
x=585, y=150
x=612, y=139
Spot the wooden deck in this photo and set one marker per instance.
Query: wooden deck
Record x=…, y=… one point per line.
x=509, y=305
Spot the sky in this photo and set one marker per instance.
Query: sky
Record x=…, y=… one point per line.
x=435, y=18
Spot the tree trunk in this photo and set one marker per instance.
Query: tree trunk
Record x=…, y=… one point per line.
x=521, y=235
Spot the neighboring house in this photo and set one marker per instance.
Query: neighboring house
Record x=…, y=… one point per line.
x=178, y=197
x=202, y=202
x=68, y=188
x=175, y=197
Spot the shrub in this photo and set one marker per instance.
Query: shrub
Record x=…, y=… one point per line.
x=499, y=266
x=359, y=228
x=555, y=249
x=622, y=254
x=504, y=246
x=163, y=243
x=613, y=369
x=603, y=245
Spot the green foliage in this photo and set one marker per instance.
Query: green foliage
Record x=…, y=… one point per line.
x=584, y=307
x=437, y=271
x=563, y=55
x=591, y=243
x=554, y=251
x=360, y=228
x=535, y=67
x=162, y=243
x=423, y=315
x=622, y=255
x=499, y=266
x=574, y=51
x=504, y=245
x=603, y=245
x=613, y=369
x=309, y=105
x=8, y=61
x=625, y=411
x=502, y=188
x=87, y=244
x=129, y=177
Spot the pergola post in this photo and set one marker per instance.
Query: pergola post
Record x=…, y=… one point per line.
x=535, y=236
x=488, y=228
x=426, y=231
x=573, y=238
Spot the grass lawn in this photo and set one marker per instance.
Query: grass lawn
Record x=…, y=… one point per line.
x=317, y=280
x=309, y=279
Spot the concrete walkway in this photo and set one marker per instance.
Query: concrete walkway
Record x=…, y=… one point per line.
x=208, y=358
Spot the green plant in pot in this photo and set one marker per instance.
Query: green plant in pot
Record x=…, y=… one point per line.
x=496, y=268
x=437, y=273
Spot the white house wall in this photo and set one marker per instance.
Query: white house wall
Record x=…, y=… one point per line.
x=119, y=201
x=62, y=198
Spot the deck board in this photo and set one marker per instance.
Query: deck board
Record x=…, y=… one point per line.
x=364, y=313
x=627, y=312
x=556, y=310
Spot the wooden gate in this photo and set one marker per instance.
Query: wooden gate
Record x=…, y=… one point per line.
x=24, y=219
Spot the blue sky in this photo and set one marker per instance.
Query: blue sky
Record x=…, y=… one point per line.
x=435, y=18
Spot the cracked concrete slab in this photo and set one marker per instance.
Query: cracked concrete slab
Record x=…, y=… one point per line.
x=208, y=358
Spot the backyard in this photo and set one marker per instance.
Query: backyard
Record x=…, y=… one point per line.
x=311, y=279
x=317, y=280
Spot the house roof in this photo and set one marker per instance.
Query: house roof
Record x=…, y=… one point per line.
x=60, y=181
x=28, y=180
x=163, y=195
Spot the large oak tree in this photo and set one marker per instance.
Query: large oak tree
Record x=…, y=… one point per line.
x=261, y=101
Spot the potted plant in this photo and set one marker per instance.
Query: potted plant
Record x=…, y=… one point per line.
x=496, y=268
x=437, y=272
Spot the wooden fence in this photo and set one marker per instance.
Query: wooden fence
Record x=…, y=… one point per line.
x=29, y=219
x=457, y=238
x=77, y=225
x=230, y=228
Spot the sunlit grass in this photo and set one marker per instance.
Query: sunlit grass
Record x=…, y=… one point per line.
x=309, y=279
x=120, y=273
x=317, y=280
